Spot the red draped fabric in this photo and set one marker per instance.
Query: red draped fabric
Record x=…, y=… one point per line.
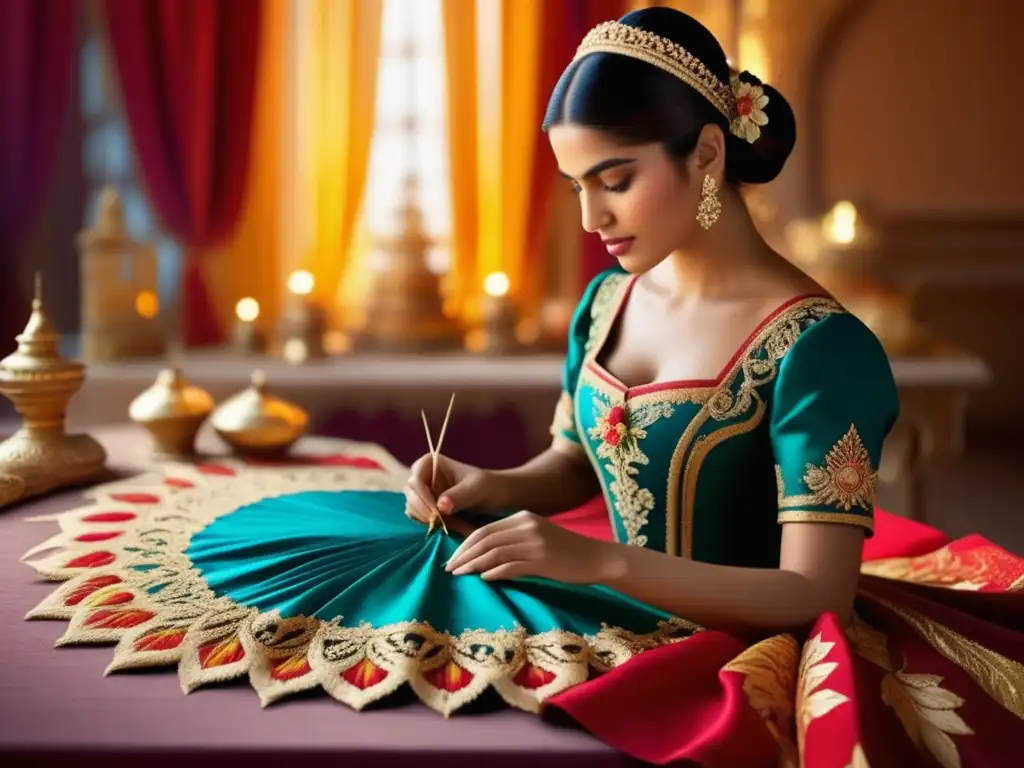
x=187, y=70
x=931, y=672
x=37, y=47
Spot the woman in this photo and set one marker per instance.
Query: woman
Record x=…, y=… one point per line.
x=732, y=415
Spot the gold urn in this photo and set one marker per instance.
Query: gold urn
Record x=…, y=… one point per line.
x=41, y=456
x=172, y=410
x=258, y=424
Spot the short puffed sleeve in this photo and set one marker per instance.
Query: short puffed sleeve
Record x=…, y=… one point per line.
x=581, y=335
x=833, y=404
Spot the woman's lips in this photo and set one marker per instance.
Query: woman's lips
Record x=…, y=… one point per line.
x=618, y=246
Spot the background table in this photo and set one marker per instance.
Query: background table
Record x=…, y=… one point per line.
x=56, y=707
x=505, y=404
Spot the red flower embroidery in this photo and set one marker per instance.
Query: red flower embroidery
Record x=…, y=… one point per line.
x=744, y=106
x=614, y=426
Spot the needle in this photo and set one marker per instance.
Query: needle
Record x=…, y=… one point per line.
x=434, y=452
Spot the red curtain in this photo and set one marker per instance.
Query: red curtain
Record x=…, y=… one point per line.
x=37, y=49
x=187, y=70
x=565, y=24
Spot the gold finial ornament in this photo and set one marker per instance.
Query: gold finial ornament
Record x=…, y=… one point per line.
x=405, y=312
x=41, y=456
x=173, y=410
x=710, y=207
x=258, y=424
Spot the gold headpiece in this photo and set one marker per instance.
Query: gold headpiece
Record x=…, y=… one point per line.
x=614, y=37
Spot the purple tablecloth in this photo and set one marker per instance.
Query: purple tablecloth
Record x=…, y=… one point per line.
x=56, y=706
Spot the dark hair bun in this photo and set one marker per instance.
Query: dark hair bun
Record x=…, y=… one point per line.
x=761, y=161
x=638, y=103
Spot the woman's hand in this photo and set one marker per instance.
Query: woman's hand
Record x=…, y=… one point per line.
x=525, y=544
x=457, y=487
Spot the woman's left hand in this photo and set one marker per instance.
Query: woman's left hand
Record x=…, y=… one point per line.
x=525, y=544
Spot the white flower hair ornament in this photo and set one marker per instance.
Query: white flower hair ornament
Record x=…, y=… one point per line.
x=749, y=116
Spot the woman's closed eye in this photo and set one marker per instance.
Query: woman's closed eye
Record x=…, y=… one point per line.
x=621, y=186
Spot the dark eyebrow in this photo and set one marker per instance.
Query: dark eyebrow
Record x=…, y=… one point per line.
x=604, y=165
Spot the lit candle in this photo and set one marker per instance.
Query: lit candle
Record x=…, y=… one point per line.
x=841, y=223
x=498, y=315
x=249, y=339
x=304, y=321
x=301, y=284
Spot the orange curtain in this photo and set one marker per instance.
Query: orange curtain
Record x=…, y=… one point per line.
x=338, y=51
x=496, y=64
x=459, y=22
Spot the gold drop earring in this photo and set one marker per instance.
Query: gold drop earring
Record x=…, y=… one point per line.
x=710, y=207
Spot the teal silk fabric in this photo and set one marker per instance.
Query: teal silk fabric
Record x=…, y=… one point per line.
x=790, y=431
x=354, y=556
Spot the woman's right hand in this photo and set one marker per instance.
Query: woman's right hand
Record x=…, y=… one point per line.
x=456, y=487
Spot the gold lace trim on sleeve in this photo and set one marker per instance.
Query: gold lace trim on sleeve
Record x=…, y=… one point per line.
x=564, y=422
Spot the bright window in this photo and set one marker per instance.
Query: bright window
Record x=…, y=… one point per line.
x=411, y=85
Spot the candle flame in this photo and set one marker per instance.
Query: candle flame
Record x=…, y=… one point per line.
x=496, y=284
x=301, y=282
x=247, y=309
x=147, y=305
x=842, y=225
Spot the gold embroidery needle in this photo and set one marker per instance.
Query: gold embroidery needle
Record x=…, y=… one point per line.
x=436, y=513
x=437, y=452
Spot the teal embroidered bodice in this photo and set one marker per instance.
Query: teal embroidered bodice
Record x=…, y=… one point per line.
x=791, y=431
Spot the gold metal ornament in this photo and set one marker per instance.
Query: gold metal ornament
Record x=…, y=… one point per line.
x=710, y=207
x=258, y=424
x=173, y=410
x=41, y=456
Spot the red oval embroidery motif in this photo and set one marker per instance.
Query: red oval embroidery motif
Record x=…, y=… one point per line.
x=97, y=536
x=135, y=498
x=91, y=560
x=109, y=517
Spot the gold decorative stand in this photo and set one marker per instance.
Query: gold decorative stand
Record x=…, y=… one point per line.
x=41, y=456
x=405, y=308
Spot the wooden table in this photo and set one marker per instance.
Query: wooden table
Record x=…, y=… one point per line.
x=933, y=392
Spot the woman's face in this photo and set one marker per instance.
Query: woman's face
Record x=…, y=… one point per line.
x=636, y=198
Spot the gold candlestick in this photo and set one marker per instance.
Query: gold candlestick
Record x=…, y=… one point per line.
x=498, y=315
x=41, y=456
x=304, y=321
x=249, y=338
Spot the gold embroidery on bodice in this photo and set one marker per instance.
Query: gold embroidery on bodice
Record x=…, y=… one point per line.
x=622, y=415
x=730, y=402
